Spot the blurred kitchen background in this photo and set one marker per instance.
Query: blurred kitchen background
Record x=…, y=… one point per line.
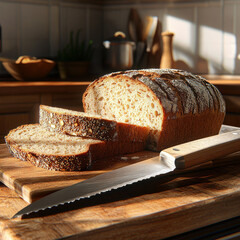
x=206, y=33
x=199, y=36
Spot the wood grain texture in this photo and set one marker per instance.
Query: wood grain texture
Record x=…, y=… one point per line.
x=32, y=183
x=153, y=209
x=10, y=202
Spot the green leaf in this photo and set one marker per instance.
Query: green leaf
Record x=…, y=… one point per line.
x=76, y=50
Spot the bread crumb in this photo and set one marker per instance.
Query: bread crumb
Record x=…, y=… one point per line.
x=61, y=122
x=136, y=157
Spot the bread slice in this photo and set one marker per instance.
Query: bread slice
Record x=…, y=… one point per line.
x=177, y=105
x=56, y=151
x=92, y=126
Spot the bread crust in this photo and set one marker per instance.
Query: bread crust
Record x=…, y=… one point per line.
x=76, y=162
x=73, y=123
x=192, y=108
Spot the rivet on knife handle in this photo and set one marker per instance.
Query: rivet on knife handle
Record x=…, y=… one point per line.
x=202, y=150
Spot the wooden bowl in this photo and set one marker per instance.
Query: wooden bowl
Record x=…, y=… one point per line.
x=29, y=69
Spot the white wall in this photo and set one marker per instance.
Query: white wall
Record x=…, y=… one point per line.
x=207, y=36
x=207, y=33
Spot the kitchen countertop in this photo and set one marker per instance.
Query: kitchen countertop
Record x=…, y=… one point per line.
x=16, y=87
x=227, y=84
x=197, y=200
x=188, y=204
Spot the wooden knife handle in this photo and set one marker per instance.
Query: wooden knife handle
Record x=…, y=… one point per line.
x=203, y=150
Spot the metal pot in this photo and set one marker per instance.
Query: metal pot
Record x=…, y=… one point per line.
x=119, y=52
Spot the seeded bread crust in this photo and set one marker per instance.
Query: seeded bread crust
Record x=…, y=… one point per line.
x=51, y=162
x=94, y=151
x=184, y=106
x=84, y=125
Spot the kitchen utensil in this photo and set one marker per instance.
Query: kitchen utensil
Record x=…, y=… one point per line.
x=153, y=209
x=135, y=26
x=140, y=48
x=156, y=51
x=178, y=157
x=149, y=33
x=167, y=60
x=119, y=52
x=135, y=31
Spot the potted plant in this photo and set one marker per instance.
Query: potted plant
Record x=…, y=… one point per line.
x=74, y=59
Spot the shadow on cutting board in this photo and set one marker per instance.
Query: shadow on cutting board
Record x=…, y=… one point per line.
x=148, y=188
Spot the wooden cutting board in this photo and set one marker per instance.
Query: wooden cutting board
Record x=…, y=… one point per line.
x=31, y=182
x=153, y=209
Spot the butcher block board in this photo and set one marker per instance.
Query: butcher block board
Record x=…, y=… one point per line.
x=153, y=209
x=32, y=183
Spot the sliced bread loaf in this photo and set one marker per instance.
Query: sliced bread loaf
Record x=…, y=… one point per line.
x=56, y=151
x=92, y=126
x=177, y=105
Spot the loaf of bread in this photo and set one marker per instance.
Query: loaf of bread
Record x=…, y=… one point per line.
x=92, y=126
x=61, y=152
x=177, y=105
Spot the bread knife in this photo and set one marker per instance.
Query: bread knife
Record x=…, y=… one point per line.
x=179, y=157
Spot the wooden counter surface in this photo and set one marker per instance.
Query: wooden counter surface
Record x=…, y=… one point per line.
x=154, y=209
x=227, y=84
x=150, y=210
x=20, y=100
x=13, y=87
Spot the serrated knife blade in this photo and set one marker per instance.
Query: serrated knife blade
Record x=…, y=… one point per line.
x=178, y=157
